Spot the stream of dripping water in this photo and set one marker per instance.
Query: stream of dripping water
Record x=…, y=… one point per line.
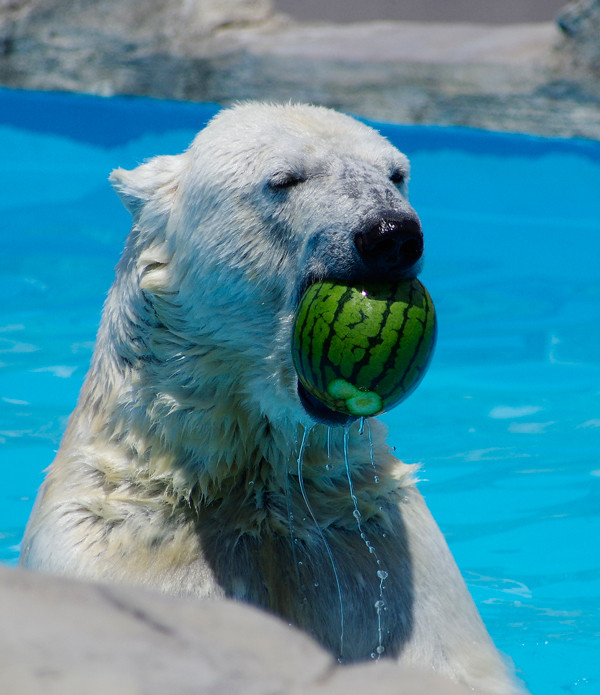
x=361, y=431
x=371, y=448
x=290, y=513
x=381, y=573
x=322, y=535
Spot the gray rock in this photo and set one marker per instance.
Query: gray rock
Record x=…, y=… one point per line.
x=63, y=637
x=108, y=47
x=580, y=24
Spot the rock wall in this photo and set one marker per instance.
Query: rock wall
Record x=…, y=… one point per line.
x=62, y=637
x=579, y=22
x=540, y=78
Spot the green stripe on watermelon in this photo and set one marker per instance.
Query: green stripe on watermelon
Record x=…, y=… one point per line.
x=409, y=368
x=303, y=326
x=340, y=294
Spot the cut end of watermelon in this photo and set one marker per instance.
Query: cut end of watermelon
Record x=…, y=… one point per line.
x=317, y=409
x=356, y=402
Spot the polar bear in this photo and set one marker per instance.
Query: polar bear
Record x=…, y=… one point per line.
x=195, y=464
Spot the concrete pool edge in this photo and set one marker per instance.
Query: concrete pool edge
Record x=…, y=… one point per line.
x=67, y=636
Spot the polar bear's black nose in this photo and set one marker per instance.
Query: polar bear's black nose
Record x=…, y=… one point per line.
x=392, y=244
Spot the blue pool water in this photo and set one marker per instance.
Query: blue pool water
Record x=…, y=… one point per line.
x=507, y=422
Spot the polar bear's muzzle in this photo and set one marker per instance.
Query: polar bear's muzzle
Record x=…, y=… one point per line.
x=388, y=247
x=385, y=247
x=391, y=246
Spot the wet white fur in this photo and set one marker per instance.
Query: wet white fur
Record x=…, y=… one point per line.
x=178, y=467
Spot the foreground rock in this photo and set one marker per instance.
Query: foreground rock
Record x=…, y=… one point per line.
x=66, y=638
x=541, y=78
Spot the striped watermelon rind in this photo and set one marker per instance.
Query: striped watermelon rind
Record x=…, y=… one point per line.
x=362, y=350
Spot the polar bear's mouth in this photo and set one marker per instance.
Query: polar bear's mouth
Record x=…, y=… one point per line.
x=319, y=411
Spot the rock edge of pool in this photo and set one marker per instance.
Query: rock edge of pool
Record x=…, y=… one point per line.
x=70, y=637
x=541, y=78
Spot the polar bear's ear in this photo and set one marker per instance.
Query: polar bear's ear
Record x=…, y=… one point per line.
x=154, y=182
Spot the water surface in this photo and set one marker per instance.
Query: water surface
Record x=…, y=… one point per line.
x=507, y=422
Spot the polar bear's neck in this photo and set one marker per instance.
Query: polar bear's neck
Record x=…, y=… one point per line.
x=216, y=452
x=179, y=418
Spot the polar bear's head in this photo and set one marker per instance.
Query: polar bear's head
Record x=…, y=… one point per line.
x=227, y=235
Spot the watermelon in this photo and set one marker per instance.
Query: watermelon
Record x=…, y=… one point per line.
x=361, y=350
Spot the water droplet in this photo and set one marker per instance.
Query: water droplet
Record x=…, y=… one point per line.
x=300, y=563
x=382, y=574
x=373, y=655
x=380, y=649
x=376, y=478
x=327, y=466
x=251, y=482
x=316, y=584
x=357, y=515
x=371, y=549
x=379, y=604
x=384, y=535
